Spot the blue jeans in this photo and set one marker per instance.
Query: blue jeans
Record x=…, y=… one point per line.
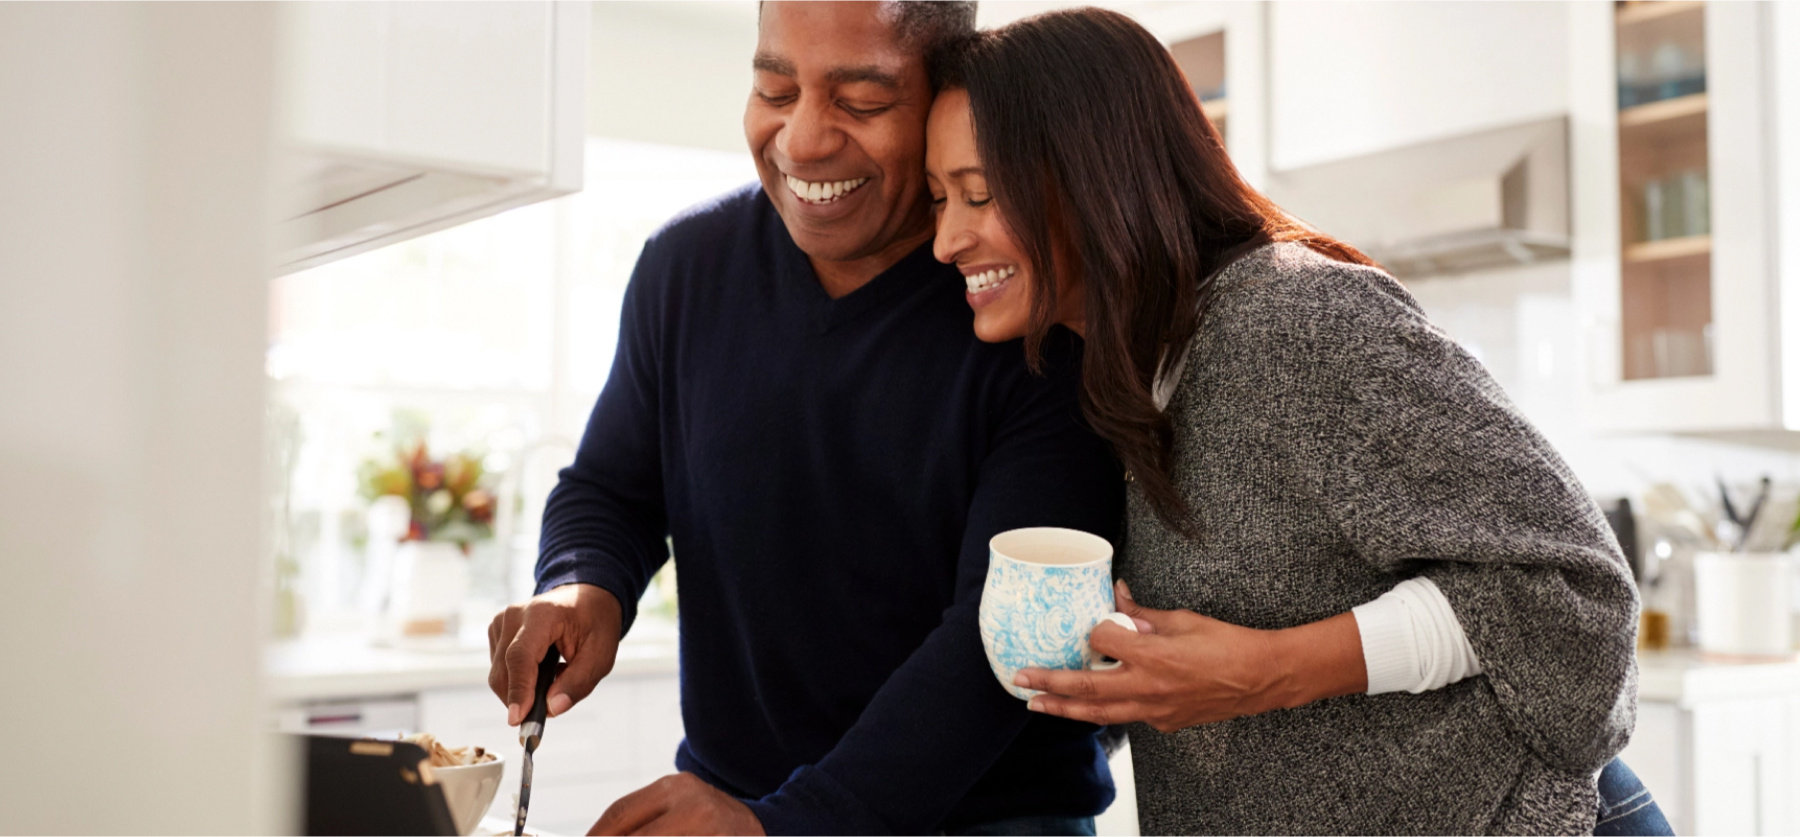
x=1022, y=826
x=1626, y=806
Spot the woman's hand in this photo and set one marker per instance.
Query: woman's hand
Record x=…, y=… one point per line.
x=1184, y=669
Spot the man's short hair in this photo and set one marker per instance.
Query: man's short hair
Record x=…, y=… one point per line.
x=925, y=26
x=930, y=25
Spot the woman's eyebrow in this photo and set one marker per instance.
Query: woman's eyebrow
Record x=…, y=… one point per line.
x=966, y=170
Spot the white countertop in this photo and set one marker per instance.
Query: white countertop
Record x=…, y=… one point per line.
x=338, y=666
x=1686, y=677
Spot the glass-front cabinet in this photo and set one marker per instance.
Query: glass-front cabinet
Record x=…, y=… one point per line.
x=1677, y=253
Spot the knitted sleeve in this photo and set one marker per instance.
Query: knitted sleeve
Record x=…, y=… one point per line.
x=1427, y=469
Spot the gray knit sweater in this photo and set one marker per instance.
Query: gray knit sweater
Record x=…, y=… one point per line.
x=1331, y=442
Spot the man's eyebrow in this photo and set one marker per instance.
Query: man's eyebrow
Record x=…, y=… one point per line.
x=771, y=64
x=867, y=73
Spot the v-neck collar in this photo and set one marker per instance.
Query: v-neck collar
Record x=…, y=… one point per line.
x=912, y=273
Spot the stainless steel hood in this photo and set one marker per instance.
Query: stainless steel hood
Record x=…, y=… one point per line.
x=1489, y=199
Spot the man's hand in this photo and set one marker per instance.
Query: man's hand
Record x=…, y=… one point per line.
x=583, y=621
x=1189, y=669
x=678, y=804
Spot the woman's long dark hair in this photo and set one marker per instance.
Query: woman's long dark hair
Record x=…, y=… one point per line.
x=1112, y=180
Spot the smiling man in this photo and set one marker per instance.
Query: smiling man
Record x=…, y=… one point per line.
x=799, y=404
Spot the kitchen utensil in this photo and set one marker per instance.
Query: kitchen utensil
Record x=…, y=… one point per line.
x=1046, y=590
x=531, y=732
x=1736, y=535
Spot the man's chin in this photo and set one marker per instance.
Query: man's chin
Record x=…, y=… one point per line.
x=833, y=245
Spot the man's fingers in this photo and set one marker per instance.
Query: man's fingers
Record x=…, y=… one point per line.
x=522, y=657
x=632, y=810
x=500, y=632
x=590, y=662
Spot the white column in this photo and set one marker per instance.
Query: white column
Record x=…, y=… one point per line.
x=134, y=145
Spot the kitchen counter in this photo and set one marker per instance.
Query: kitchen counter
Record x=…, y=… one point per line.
x=339, y=666
x=1685, y=677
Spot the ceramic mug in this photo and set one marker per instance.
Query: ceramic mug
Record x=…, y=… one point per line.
x=1046, y=590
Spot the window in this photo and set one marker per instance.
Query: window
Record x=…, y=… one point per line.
x=495, y=336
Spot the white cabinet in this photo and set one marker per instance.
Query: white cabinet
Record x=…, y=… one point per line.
x=1349, y=79
x=1718, y=744
x=1687, y=325
x=400, y=118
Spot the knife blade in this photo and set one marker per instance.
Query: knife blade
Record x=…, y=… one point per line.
x=531, y=732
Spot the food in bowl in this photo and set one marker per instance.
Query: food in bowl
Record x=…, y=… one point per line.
x=442, y=756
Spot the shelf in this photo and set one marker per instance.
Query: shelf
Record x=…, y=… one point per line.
x=1216, y=109
x=1663, y=112
x=1669, y=248
x=1642, y=12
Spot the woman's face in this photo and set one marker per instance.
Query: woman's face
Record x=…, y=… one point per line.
x=970, y=231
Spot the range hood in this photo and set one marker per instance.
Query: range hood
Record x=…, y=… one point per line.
x=1473, y=202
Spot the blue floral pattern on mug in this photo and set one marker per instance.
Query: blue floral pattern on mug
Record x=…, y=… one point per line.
x=1039, y=616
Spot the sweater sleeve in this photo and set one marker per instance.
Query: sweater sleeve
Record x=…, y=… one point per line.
x=1428, y=470
x=604, y=522
x=937, y=725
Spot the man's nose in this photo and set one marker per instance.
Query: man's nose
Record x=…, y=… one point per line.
x=810, y=135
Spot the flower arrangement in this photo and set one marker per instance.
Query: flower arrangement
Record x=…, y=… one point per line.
x=450, y=500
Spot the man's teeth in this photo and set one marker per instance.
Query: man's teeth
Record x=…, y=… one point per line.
x=823, y=192
x=989, y=279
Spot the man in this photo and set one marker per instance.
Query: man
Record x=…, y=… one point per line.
x=799, y=403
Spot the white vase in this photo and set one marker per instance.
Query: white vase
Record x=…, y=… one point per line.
x=430, y=580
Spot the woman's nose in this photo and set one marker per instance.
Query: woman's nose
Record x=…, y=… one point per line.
x=952, y=239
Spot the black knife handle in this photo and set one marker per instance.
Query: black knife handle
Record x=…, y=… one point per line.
x=546, y=672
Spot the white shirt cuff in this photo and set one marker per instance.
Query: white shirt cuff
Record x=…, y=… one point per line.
x=1412, y=640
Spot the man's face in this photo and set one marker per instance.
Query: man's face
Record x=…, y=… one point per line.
x=836, y=121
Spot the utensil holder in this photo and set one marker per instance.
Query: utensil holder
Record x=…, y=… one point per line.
x=1743, y=603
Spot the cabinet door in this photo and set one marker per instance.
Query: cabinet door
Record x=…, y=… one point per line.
x=404, y=118
x=1680, y=325
x=1743, y=767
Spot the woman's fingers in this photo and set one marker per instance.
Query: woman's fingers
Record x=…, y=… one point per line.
x=1116, y=642
x=1102, y=712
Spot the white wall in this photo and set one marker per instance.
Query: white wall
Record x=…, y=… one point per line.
x=1348, y=78
x=676, y=73
x=132, y=306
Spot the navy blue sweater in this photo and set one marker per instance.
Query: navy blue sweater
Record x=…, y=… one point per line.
x=830, y=472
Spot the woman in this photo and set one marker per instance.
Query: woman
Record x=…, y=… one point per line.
x=1373, y=599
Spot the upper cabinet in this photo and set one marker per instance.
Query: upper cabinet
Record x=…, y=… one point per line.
x=1676, y=113
x=401, y=118
x=1352, y=79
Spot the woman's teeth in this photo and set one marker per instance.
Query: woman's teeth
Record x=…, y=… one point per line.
x=823, y=192
x=988, y=280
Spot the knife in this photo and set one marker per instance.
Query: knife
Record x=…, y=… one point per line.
x=531, y=732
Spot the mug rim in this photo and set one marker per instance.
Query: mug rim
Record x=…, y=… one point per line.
x=1087, y=539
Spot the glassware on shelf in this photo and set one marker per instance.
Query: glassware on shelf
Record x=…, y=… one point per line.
x=1670, y=72
x=1677, y=206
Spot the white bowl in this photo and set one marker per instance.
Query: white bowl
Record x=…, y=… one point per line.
x=469, y=790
